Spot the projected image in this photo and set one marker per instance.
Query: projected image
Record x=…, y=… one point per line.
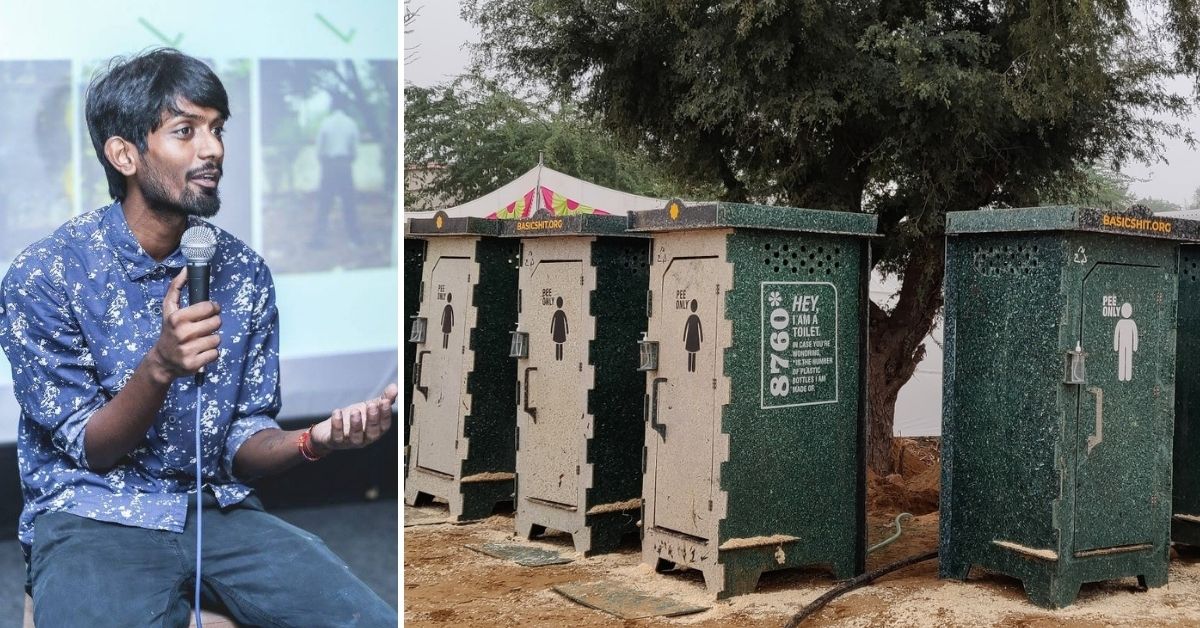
x=235, y=214
x=35, y=180
x=329, y=163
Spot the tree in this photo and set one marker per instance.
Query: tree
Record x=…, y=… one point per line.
x=480, y=135
x=1157, y=205
x=410, y=16
x=1094, y=186
x=904, y=108
x=1195, y=204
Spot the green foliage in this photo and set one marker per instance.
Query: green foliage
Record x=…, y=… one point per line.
x=1157, y=205
x=485, y=135
x=904, y=108
x=1095, y=186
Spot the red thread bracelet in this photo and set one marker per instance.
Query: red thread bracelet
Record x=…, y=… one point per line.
x=304, y=444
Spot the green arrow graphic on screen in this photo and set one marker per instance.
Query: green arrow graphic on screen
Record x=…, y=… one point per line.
x=345, y=37
x=159, y=34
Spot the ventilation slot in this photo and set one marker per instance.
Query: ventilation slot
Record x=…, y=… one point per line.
x=1006, y=260
x=803, y=260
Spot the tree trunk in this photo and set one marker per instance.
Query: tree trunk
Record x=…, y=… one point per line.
x=897, y=345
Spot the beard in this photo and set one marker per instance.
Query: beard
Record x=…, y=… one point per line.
x=204, y=204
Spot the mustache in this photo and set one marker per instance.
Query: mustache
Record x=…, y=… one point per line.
x=206, y=170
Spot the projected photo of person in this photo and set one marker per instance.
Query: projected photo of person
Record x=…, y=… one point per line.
x=329, y=163
x=235, y=176
x=337, y=146
x=36, y=183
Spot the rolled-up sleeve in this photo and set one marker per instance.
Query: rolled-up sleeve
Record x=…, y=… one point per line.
x=258, y=400
x=53, y=369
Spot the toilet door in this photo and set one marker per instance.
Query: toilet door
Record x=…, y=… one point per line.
x=553, y=400
x=437, y=397
x=686, y=312
x=1124, y=331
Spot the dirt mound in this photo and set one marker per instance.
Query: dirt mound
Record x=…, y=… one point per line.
x=915, y=486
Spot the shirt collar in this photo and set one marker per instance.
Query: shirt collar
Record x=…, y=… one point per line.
x=137, y=261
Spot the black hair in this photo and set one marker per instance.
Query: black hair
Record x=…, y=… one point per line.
x=128, y=98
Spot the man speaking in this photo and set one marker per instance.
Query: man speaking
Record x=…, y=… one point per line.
x=105, y=348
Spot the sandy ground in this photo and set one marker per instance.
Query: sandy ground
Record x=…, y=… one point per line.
x=446, y=584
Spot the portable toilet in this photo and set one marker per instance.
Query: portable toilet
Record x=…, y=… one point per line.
x=463, y=424
x=1058, y=396
x=581, y=310
x=755, y=360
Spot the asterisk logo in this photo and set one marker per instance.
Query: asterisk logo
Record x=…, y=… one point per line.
x=774, y=299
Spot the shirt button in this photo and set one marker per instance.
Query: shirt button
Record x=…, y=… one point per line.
x=172, y=420
x=156, y=309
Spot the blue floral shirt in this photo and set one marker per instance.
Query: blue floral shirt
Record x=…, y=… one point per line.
x=78, y=312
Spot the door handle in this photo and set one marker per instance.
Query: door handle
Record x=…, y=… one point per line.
x=1098, y=436
x=653, y=403
x=525, y=401
x=424, y=390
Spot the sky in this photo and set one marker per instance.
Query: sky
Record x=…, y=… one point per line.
x=441, y=38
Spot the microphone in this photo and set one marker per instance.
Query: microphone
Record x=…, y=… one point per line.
x=199, y=243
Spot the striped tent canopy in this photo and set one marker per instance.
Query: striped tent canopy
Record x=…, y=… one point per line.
x=558, y=193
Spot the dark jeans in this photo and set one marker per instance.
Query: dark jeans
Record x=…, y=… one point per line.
x=337, y=182
x=266, y=571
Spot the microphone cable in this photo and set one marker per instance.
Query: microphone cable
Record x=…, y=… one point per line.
x=198, y=244
x=199, y=491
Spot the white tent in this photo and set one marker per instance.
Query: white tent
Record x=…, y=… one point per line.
x=562, y=194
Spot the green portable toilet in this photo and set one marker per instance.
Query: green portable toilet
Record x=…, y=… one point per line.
x=579, y=408
x=462, y=401
x=1058, y=396
x=755, y=391
x=414, y=259
x=1185, y=520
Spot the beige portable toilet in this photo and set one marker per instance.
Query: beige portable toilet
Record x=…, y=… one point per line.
x=461, y=445
x=579, y=410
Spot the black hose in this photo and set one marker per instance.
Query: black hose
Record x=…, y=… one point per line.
x=853, y=584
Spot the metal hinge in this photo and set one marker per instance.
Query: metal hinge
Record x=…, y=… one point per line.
x=518, y=300
x=710, y=505
x=421, y=294
x=581, y=280
x=649, y=303
x=643, y=461
x=714, y=383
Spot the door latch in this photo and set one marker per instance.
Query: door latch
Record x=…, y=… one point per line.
x=1075, y=371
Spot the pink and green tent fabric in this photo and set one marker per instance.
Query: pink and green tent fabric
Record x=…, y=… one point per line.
x=558, y=193
x=558, y=205
x=515, y=209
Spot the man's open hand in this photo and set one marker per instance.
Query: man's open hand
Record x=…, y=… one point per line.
x=357, y=425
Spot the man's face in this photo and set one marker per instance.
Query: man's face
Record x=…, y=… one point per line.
x=181, y=167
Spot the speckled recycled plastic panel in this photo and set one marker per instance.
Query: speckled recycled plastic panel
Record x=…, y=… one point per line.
x=786, y=411
x=1057, y=483
x=1185, y=521
x=624, y=602
x=414, y=259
